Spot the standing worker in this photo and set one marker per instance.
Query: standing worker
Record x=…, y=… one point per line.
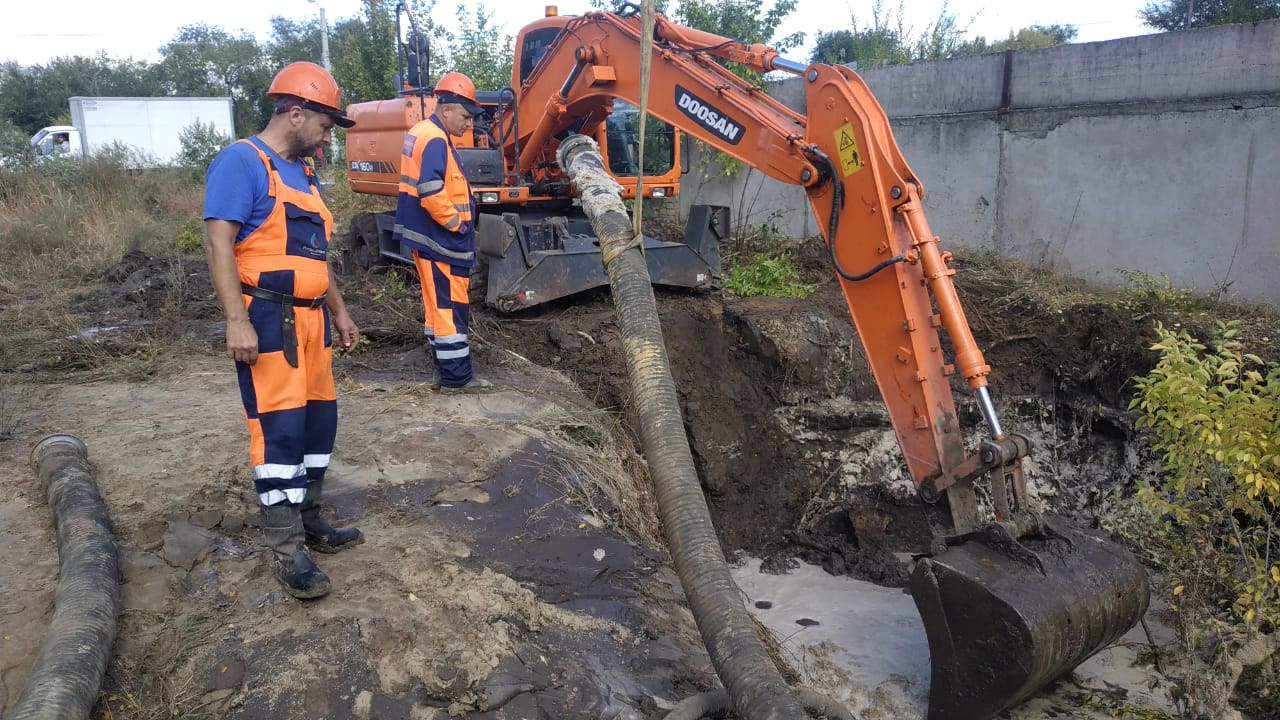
x=267, y=239
x=435, y=216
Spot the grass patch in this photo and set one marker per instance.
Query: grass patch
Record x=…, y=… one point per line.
x=766, y=275
x=603, y=476
x=160, y=682
x=1119, y=710
x=63, y=225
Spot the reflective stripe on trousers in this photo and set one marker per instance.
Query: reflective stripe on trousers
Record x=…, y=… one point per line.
x=292, y=413
x=447, y=315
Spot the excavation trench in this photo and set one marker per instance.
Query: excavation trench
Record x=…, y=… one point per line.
x=790, y=438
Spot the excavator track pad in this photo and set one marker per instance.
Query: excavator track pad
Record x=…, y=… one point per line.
x=1006, y=617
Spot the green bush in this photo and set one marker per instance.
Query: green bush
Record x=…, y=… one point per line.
x=1214, y=417
x=200, y=143
x=766, y=275
x=189, y=236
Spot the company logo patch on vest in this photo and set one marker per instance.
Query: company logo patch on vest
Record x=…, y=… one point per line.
x=707, y=116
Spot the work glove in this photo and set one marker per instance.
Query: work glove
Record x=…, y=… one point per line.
x=464, y=229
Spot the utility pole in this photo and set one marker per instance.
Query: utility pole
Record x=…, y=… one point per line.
x=1191, y=6
x=324, y=37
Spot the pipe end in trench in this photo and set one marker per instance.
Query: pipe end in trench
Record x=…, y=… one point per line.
x=50, y=442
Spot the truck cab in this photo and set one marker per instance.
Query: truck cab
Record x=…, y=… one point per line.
x=57, y=141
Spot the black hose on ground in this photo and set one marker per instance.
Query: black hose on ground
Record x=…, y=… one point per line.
x=68, y=672
x=757, y=689
x=716, y=704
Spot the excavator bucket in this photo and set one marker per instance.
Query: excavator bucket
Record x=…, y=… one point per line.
x=1005, y=618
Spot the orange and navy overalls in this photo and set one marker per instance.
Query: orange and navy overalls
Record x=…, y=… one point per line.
x=435, y=218
x=288, y=394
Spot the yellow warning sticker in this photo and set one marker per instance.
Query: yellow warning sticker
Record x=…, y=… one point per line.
x=847, y=147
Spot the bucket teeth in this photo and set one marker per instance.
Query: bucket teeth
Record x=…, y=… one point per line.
x=1000, y=627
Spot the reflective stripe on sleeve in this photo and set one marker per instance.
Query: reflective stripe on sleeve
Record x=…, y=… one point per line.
x=425, y=241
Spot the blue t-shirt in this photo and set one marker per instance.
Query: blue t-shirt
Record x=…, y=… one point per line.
x=236, y=185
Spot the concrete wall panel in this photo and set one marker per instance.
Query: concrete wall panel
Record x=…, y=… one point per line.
x=1158, y=154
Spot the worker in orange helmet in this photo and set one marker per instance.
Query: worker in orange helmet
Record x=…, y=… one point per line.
x=435, y=216
x=267, y=236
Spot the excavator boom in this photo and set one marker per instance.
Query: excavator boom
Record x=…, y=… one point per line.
x=1010, y=600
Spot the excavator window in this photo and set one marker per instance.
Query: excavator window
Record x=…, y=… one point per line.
x=622, y=132
x=535, y=46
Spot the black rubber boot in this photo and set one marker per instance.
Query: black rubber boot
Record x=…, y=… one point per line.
x=320, y=535
x=435, y=365
x=290, y=562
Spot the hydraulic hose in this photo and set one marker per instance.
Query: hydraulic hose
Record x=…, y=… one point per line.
x=68, y=671
x=757, y=689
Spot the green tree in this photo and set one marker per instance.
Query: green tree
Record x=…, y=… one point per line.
x=35, y=96
x=626, y=5
x=883, y=43
x=1209, y=521
x=200, y=143
x=1036, y=37
x=1033, y=37
x=363, y=53
x=1172, y=14
x=742, y=20
x=292, y=41
x=477, y=49
x=203, y=60
x=888, y=40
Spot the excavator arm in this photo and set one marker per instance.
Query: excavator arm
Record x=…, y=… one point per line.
x=863, y=194
x=1010, y=599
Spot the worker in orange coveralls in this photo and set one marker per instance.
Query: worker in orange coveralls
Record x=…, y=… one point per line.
x=267, y=239
x=435, y=215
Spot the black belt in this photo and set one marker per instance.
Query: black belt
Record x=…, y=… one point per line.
x=281, y=298
x=288, y=333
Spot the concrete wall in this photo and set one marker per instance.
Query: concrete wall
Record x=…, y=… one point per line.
x=1158, y=153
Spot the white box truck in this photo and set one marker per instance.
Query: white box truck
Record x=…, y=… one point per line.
x=150, y=126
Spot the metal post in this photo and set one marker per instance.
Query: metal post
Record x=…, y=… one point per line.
x=324, y=37
x=324, y=41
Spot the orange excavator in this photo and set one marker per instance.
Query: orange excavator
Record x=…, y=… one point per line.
x=1011, y=599
x=534, y=244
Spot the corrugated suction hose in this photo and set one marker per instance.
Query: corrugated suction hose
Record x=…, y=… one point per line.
x=756, y=688
x=68, y=671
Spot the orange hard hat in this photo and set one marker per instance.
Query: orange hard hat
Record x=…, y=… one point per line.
x=308, y=81
x=457, y=84
x=458, y=89
x=312, y=84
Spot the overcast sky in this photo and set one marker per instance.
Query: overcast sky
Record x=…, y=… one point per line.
x=34, y=33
